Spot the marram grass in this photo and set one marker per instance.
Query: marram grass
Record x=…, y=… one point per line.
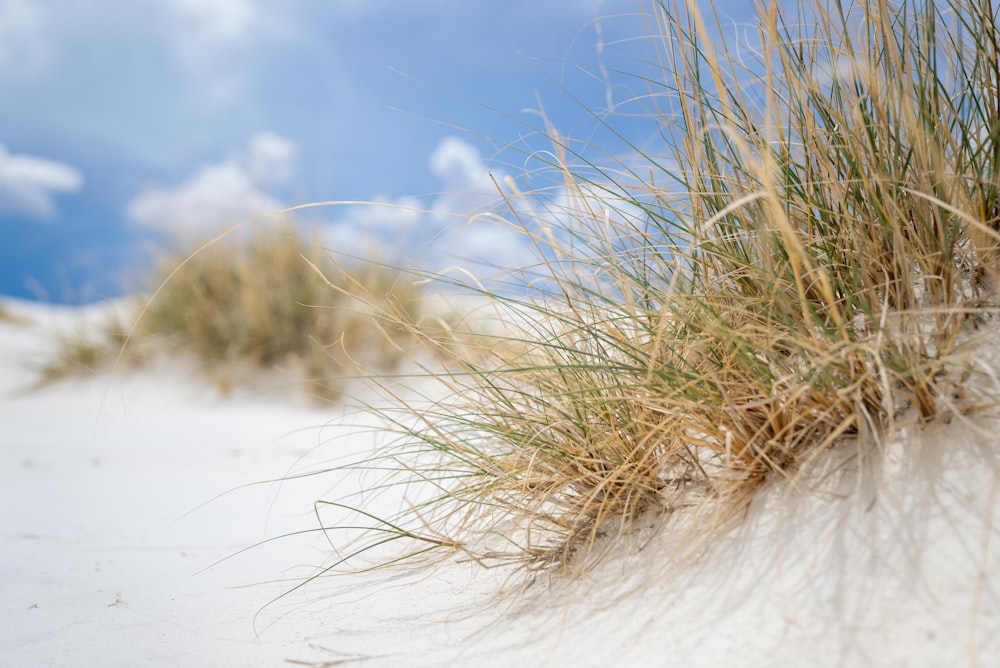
x=798, y=266
x=267, y=298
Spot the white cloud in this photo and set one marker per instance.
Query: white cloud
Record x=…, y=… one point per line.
x=383, y=228
x=269, y=158
x=222, y=194
x=467, y=187
x=446, y=232
x=486, y=247
x=478, y=243
x=581, y=220
x=458, y=164
x=28, y=183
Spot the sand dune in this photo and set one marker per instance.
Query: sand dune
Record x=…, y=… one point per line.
x=119, y=491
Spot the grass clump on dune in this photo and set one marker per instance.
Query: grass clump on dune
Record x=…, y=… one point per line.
x=274, y=298
x=9, y=315
x=86, y=350
x=267, y=298
x=800, y=265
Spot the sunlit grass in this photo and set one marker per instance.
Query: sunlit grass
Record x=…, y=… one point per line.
x=268, y=298
x=797, y=265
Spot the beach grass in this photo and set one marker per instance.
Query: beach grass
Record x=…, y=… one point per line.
x=5, y=314
x=85, y=349
x=269, y=297
x=797, y=264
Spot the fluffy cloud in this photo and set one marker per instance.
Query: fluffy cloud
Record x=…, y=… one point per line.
x=486, y=245
x=385, y=228
x=459, y=165
x=222, y=194
x=467, y=187
x=270, y=159
x=573, y=217
x=28, y=183
x=449, y=230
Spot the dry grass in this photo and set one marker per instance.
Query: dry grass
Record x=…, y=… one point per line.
x=11, y=317
x=800, y=268
x=86, y=350
x=265, y=299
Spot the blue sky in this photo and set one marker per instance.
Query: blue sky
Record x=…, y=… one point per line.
x=126, y=123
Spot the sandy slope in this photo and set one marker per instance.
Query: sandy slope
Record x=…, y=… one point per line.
x=105, y=527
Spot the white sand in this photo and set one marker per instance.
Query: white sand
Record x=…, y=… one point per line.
x=105, y=527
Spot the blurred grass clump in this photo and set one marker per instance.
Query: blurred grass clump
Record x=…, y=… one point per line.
x=801, y=264
x=265, y=298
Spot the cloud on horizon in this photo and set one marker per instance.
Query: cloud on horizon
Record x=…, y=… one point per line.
x=28, y=183
x=222, y=194
x=446, y=230
x=469, y=224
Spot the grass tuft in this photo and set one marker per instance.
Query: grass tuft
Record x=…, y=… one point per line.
x=800, y=265
x=86, y=350
x=266, y=299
